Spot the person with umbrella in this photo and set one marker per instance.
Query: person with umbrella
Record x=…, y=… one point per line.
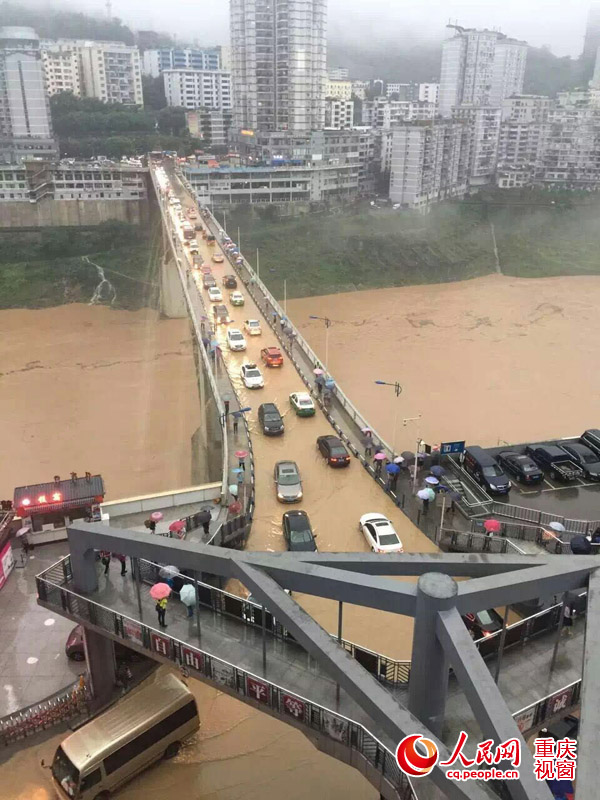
x=393, y=470
x=123, y=561
x=367, y=441
x=160, y=592
x=378, y=460
x=187, y=595
x=426, y=495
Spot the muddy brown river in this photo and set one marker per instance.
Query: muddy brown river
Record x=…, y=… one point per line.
x=494, y=358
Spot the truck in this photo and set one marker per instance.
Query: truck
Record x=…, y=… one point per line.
x=555, y=461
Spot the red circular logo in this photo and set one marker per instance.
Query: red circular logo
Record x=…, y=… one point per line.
x=413, y=763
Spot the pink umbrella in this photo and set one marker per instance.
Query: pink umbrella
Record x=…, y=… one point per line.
x=380, y=456
x=318, y=371
x=492, y=526
x=156, y=516
x=159, y=591
x=177, y=526
x=241, y=453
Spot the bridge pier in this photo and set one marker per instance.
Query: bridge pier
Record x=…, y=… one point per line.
x=428, y=687
x=172, y=299
x=100, y=656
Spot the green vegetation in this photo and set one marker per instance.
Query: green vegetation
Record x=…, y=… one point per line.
x=38, y=270
x=537, y=234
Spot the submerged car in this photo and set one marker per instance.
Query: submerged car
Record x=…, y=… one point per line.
x=271, y=356
x=303, y=404
x=230, y=282
x=252, y=376
x=214, y=294
x=520, y=466
x=380, y=534
x=236, y=339
x=252, y=326
x=236, y=299
x=221, y=315
x=270, y=420
x=333, y=450
x=218, y=258
x=298, y=532
x=288, y=484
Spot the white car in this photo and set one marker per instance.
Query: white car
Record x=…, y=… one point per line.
x=214, y=294
x=380, y=534
x=252, y=376
x=252, y=326
x=235, y=339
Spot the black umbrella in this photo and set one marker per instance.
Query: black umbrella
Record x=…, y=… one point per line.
x=408, y=456
x=580, y=546
x=204, y=516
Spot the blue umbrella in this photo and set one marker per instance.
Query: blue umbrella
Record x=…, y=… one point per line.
x=330, y=384
x=437, y=471
x=392, y=469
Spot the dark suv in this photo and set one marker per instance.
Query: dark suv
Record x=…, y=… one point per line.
x=486, y=470
x=270, y=419
x=230, y=282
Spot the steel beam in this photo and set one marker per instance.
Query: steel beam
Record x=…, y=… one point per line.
x=486, y=702
x=589, y=731
x=388, y=716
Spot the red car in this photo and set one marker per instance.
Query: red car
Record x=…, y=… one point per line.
x=272, y=356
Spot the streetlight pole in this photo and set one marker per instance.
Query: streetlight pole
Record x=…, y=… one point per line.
x=285, y=295
x=328, y=324
x=225, y=222
x=239, y=240
x=418, y=448
x=398, y=392
x=257, y=265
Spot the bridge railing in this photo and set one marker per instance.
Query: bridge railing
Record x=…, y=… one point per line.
x=289, y=705
x=471, y=541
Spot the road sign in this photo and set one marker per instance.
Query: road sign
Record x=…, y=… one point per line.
x=451, y=447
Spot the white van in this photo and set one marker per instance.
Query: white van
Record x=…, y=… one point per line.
x=108, y=751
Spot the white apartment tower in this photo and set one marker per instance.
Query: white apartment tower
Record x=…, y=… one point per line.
x=480, y=68
x=25, y=124
x=339, y=113
x=196, y=88
x=278, y=64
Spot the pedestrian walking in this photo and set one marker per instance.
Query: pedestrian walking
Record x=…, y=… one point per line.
x=122, y=559
x=282, y=324
x=235, y=423
x=161, y=610
x=393, y=482
x=367, y=441
x=226, y=404
x=241, y=464
x=274, y=315
x=105, y=558
x=425, y=506
x=151, y=525
x=568, y=613
x=204, y=518
x=378, y=465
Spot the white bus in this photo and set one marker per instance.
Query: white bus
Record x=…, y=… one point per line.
x=147, y=725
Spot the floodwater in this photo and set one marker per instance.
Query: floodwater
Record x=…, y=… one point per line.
x=90, y=388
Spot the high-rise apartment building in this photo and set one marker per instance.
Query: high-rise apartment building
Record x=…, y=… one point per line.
x=108, y=71
x=278, y=64
x=591, y=42
x=156, y=61
x=339, y=114
x=211, y=125
x=198, y=88
x=429, y=92
x=339, y=89
x=526, y=108
x=483, y=123
x=338, y=74
x=25, y=124
x=480, y=68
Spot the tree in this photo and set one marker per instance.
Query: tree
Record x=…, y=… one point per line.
x=172, y=120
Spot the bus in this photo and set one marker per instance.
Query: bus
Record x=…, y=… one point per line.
x=188, y=231
x=108, y=751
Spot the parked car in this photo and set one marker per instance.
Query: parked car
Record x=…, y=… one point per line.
x=221, y=315
x=288, y=484
x=302, y=403
x=586, y=458
x=208, y=281
x=555, y=461
x=591, y=438
x=75, y=651
x=235, y=339
x=271, y=356
x=218, y=258
x=483, y=623
x=270, y=420
x=236, y=299
x=230, y=282
x=252, y=376
x=214, y=294
x=252, y=326
x=485, y=470
x=297, y=532
x=380, y=534
x=332, y=448
x=522, y=467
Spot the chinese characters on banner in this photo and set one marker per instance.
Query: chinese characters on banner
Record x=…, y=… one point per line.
x=191, y=658
x=335, y=727
x=133, y=631
x=555, y=759
x=292, y=706
x=223, y=674
x=257, y=690
x=161, y=644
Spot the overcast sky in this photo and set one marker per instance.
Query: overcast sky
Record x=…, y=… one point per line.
x=557, y=23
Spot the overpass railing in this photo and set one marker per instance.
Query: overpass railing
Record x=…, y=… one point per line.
x=289, y=706
x=558, y=703
x=471, y=541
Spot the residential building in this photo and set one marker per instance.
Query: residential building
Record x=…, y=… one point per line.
x=428, y=163
x=404, y=91
x=218, y=186
x=526, y=108
x=108, y=71
x=341, y=90
x=25, y=123
x=34, y=180
x=278, y=64
x=360, y=89
x=480, y=68
x=198, y=88
x=520, y=144
x=429, y=92
x=383, y=112
x=155, y=62
x=338, y=74
x=211, y=125
x=570, y=156
x=62, y=70
x=591, y=42
x=339, y=113
x=483, y=123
